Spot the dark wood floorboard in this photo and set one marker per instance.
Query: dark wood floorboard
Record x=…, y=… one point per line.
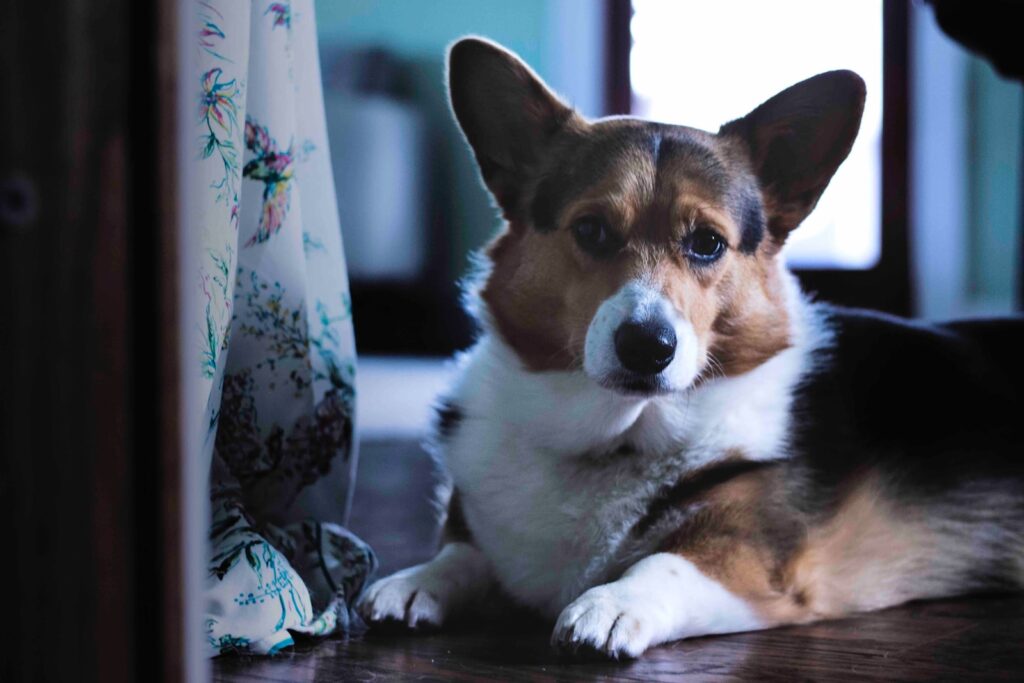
x=980, y=638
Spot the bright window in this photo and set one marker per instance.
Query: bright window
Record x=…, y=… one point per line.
x=702, y=63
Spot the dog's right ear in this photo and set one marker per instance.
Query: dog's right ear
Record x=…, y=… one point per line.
x=797, y=140
x=507, y=113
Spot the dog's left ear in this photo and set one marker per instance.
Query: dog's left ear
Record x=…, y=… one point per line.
x=797, y=140
x=508, y=115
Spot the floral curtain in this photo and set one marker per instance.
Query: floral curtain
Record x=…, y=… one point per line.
x=273, y=339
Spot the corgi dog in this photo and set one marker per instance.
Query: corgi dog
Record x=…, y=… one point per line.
x=657, y=434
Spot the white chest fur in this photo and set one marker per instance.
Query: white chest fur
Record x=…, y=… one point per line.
x=553, y=471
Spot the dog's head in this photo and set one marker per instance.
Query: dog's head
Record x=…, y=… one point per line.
x=645, y=254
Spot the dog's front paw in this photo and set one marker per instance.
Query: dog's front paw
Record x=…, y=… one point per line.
x=411, y=597
x=608, y=621
x=428, y=594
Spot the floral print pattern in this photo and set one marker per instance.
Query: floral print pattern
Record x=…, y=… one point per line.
x=274, y=168
x=282, y=12
x=218, y=111
x=294, y=459
x=215, y=283
x=273, y=334
x=210, y=32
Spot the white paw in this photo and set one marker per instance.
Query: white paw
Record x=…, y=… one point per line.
x=609, y=621
x=411, y=597
x=661, y=598
x=427, y=594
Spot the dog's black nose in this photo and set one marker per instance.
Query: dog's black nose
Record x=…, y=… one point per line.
x=645, y=347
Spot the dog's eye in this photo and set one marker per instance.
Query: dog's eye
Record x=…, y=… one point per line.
x=704, y=245
x=595, y=237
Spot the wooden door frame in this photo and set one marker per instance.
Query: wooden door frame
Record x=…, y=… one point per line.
x=90, y=471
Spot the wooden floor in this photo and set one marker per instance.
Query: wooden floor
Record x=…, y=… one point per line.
x=980, y=638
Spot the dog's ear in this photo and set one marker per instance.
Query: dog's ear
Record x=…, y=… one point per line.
x=506, y=112
x=797, y=140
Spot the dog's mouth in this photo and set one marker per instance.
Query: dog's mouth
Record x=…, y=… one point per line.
x=633, y=384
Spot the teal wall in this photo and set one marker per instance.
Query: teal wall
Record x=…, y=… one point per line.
x=965, y=124
x=560, y=39
x=420, y=29
x=996, y=119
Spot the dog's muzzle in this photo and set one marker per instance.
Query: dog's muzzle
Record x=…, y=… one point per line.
x=645, y=347
x=638, y=344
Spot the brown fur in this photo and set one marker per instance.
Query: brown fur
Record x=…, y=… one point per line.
x=744, y=536
x=791, y=566
x=867, y=556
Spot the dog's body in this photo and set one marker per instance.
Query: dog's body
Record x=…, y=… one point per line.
x=657, y=435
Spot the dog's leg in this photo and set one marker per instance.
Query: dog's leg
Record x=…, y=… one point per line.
x=429, y=593
x=749, y=561
x=663, y=597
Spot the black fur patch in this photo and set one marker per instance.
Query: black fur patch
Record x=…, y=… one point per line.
x=581, y=164
x=927, y=407
x=688, y=488
x=449, y=417
x=584, y=162
x=455, y=528
x=702, y=166
x=750, y=217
